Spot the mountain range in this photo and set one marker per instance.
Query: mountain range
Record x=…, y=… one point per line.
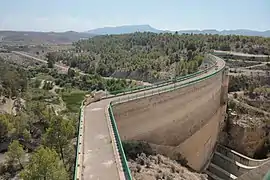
x=148, y=28
x=31, y=37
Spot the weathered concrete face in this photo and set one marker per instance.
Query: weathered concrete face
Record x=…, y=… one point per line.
x=246, y=140
x=262, y=172
x=184, y=121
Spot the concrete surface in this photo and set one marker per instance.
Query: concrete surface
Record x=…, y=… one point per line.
x=258, y=173
x=228, y=164
x=185, y=121
x=99, y=161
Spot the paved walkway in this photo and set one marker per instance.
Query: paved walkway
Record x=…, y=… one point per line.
x=99, y=161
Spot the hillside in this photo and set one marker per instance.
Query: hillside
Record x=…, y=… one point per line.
x=147, y=28
x=159, y=167
x=33, y=38
x=124, y=29
x=152, y=57
x=142, y=56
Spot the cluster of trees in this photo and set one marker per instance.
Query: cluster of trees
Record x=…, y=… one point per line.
x=239, y=83
x=13, y=80
x=83, y=82
x=245, y=83
x=43, y=164
x=150, y=52
x=264, y=90
x=35, y=129
x=252, y=86
x=36, y=125
x=139, y=52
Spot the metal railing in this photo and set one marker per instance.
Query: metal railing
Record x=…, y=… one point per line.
x=119, y=145
x=159, y=84
x=79, y=142
x=162, y=90
x=124, y=162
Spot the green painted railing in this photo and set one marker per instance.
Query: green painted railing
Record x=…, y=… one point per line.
x=165, y=89
x=159, y=84
x=124, y=162
x=267, y=176
x=78, y=150
x=120, y=146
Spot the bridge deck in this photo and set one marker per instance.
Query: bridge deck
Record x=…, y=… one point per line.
x=98, y=159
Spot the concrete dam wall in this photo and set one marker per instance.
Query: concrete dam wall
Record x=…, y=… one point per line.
x=183, y=122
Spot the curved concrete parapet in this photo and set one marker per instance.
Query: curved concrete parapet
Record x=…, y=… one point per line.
x=233, y=167
x=184, y=120
x=201, y=95
x=261, y=172
x=229, y=164
x=238, y=157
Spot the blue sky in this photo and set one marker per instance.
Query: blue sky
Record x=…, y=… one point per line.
x=82, y=15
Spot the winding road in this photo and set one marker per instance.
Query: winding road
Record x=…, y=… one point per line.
x=65, y=68
x=241, y=54
x=246, y=70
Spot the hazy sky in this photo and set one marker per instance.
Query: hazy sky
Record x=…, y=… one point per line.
x=82, y=15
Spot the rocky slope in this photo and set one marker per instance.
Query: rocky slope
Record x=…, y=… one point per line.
x=247, y=130
x=155, y=167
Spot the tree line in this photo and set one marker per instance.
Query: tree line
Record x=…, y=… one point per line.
x=150, y=53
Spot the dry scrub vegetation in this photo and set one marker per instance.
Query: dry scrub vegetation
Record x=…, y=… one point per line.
x=155, y=167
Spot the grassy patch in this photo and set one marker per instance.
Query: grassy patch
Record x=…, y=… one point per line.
x=36, y=94
x=73, y=100
x=43, y=76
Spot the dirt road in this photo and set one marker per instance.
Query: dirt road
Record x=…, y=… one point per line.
x=65, y=68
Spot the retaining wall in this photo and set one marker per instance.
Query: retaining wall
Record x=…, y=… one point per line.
x=240, y=157
x=186, y=121
x=261, y=172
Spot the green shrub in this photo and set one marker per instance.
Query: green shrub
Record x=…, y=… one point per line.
x=73, y=100
x=133, y=148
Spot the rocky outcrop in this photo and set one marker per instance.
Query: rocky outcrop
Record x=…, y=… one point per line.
x=246, y=133
x=159, y=167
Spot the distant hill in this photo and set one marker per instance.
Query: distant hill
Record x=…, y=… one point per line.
x=244, y=32
x=148, y=28
x=124, y=29
x=30, y=37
